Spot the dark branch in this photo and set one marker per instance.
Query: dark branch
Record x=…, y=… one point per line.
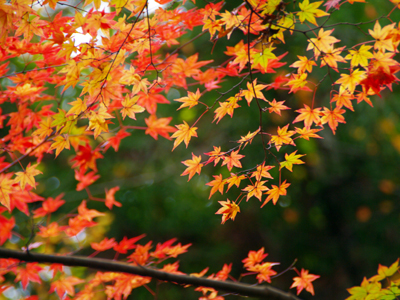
x=264, y=292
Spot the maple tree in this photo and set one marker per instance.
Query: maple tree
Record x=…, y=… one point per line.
x=133, y=57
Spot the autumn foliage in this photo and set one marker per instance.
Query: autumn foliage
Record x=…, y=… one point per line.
x=129, y=61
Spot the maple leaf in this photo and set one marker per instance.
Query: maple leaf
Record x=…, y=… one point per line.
x=130, y=107
x=322, y=43
x=381, y=36
x=248, y=138
x=28, y=273
x=28, y=176
x=290, y=160
x=255, y=190
x=110, y=199
x=332, y=3
x=262, y=171
x=52, y=230
x=385, y=272
x=29, y=26
x=65, y=286
x=98, y=120
x=104, y=245
x=228, y=210
x=49, y=206
x=88, y=214
x=217, y=185
x=6, y=226
x=184, y=133
x=309, y=11
x=367, y=289
x=61, y=142
x=254, y=257
x=190, y=101
x=275, y=192
x=304, y=282
x=264, y=271
x=45, y=128
x=262, y=59
x=250, y=93
x=349, y=81
x=5, y=189
x=234, y=180
x=78, y=106
x=303, y=64
x=298, y=82
x=85, y=180
x=127, y=244
x=159, y=127
x=232, y=160
x=343, y=99
x=308, y=115
x=226, y=107
x=193, y=166
x=283, y=137
x=333, y=117
x=306, y=133
x=360, y=56
x=276, y=107
x=215, y=155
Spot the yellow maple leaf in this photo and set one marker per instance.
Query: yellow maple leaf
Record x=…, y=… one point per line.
x=322, y=42
x=44, y=129
x=98, y=120
x=309, y=11
x=191, y=100
x=290, y=160
x=349, y=81
x=28, y=176
x=130, y=107
x=303, y=64
x=253, y=90
x=78, y=106
x=184, y=133
x=360, y=56
x=61, y=142
x=5, y=190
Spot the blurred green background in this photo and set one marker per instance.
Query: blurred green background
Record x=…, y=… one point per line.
x=340, y=218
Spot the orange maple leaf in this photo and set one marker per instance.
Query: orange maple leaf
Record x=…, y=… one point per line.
x=304, y=282
x=193, y=166
x=232, y=160
x=217, y=185
x=275, y=192
x=333, y=117
x=283, y=137
x=110, y=199
x=28, y=273
x=276, y=107
x=255, y=190
x=254, y=257
x=159, y=126
x=309, y=116
x=228, y=210
x=65, y=286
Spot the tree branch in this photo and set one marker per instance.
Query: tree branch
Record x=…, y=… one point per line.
x=264, y=292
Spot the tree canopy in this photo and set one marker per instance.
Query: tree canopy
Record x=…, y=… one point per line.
x=105, y=103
